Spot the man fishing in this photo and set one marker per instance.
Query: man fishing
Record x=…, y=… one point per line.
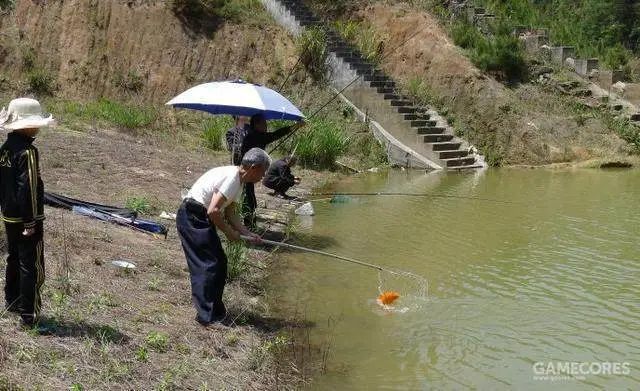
x=210, y=206
x=235, y=136
x=258, y=137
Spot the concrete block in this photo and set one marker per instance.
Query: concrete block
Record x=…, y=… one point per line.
x=584, y=67
x=559, y=54
x=617, y=75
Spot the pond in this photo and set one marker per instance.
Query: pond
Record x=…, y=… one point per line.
x=526, y=270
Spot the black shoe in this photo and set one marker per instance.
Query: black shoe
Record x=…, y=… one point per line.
x=217, y=319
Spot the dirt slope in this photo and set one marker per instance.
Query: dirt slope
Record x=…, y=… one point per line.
x=92, y=47
x=524, y=125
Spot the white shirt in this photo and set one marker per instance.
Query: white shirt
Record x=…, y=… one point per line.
x=225, y=180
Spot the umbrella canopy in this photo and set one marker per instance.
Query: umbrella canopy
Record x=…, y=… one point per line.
x=237, y=98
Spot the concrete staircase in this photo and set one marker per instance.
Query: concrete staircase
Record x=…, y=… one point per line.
x=434, y=139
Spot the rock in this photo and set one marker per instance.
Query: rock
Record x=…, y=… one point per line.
x=305, y=210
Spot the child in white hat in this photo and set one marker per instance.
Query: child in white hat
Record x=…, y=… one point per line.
x=22, y=204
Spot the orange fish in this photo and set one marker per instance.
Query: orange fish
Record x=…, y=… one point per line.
x=388, y=297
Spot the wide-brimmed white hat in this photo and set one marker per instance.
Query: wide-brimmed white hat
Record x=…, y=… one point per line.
x=24, y=113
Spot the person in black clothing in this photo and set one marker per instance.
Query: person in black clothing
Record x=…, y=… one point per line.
x=234, y=137
x=22, y=204
x=279, y=177
x=258, y=137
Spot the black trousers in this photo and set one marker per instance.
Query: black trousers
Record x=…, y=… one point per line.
x=206, y=260
x=25, y=271
x=249, y=204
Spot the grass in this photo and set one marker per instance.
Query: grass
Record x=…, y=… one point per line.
x=124, y=115
x=236, y=260
x=234, y=11
x=41, y=82
x=311, y=46
x=320, y=144
x=214, y=130
x=157, y=341
x=369, y=41
x=140, y=205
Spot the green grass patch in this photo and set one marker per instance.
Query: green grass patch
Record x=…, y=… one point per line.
x=214, y=130
x=41, y=82
x=369, y=41
x=320, y=144
x=139, y=205
x=312, y=51
x=123, y=115
x=157, y=341
x=236, y=259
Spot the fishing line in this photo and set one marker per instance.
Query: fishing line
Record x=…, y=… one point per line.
x=349, y=85
x=422, y=283
x=392, y=194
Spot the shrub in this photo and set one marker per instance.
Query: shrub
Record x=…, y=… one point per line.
x=213, y=132
x=465, y=35
x=157, y=341
x=132, y=81
x=123, y=115
x=139, y=205
x=41, y=82
x=365, y=37
x=321, y=144
x=617, y=57
x=236, y=259
x=501, y=56
x=312, y=51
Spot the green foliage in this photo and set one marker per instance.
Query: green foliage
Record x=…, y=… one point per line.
x=142, y=354
x=592, y=26
x=312, y=51
x=625, y=129
x=500, y=54
x=41, y=82
x=214, y=130
x=139, y=205
x=6, y=5
x=617, y=57
x=235, y=11
x=364, y=36
x=132, y=81
x=157, y=341
x=123, y=115
x=236, y=259
x=320, y=144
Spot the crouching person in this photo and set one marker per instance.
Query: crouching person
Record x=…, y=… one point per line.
x=22, y=201
x=279, y=177
x=210, y=206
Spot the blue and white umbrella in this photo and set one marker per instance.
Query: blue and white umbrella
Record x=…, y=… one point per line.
x=237, y=98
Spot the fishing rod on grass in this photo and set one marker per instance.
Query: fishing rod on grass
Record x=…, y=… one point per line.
x=336, y=95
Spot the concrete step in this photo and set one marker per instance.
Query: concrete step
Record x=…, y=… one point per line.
x=372, y=77
x=460, y=161
x=401, y=102
x=431, y=130
x=436, y=138
x=387, y=84
x=635, y=117
x=385, y=90
x=391, y=96
x=414, y=117
x=407, y=110
x=422, y=122
x=445, y=146
x=453, y=154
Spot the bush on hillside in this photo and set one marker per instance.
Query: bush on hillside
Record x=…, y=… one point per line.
x=41, y=82
x=312, y=51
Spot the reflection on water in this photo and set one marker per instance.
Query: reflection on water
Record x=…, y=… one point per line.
x=551, y=276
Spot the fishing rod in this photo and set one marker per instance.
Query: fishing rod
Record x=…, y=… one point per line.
x=326, y=254
x=347, y=86
x=392, y=194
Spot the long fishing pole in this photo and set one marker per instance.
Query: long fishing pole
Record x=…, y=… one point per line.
x=326, y=254
x=392, y=194
x=347, y=86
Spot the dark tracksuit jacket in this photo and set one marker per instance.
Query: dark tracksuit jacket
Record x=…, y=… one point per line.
x=279, y=177
x=22, y=205
x=260, y=140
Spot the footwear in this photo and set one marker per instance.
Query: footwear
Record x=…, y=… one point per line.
x=12, y=308
x=216, y=320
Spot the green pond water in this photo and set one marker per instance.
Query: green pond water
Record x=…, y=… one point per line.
x=551, y=276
